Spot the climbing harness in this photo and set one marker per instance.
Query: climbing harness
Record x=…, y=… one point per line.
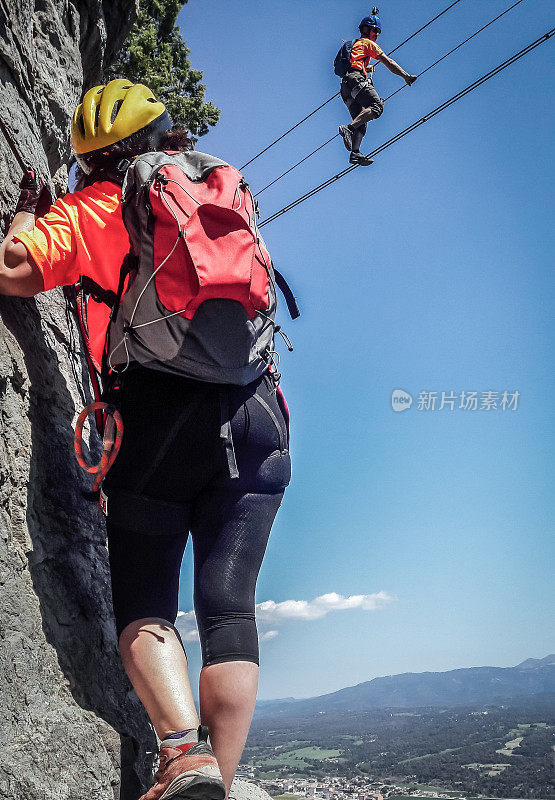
x=400, y=89
x=111, y=443
x=397, y=47
x=414, y=125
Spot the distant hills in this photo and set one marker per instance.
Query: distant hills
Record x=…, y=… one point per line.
x=457, y=687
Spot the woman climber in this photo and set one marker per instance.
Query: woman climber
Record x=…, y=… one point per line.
x=172, y=475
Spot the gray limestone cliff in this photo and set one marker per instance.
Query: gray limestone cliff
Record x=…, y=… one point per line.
x=71, y=727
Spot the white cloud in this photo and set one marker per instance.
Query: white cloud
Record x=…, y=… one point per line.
x=265, y=637
x=186, y=624
x=271, y=613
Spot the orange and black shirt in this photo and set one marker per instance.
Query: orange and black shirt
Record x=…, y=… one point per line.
x=363, y=50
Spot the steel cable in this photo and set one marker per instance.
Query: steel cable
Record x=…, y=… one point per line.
x=415, y=125
x=400, y=89
x=445, y=10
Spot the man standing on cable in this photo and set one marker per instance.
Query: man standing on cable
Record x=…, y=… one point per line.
x=357, y=89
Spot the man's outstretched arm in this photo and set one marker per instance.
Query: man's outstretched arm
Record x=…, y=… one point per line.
x=394, y=67
x=19, y=275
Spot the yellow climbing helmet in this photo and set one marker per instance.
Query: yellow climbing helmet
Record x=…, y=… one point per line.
x=120, y=118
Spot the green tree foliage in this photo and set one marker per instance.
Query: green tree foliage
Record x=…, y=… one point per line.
x=155, y=54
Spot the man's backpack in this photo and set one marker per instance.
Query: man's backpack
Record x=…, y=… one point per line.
x=342, y=61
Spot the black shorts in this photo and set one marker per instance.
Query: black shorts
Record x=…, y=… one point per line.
x=358, y=92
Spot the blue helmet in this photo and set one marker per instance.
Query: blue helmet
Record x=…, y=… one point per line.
x=371, y=22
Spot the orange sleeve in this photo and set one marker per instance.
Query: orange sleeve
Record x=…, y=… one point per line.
x=52, y=246
x=375, y=50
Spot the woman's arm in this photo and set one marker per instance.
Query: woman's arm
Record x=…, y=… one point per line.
x=19, y=275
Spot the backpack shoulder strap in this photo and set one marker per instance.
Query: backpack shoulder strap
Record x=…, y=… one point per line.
x=128, y=265
x=96, y=292
x=285, y=289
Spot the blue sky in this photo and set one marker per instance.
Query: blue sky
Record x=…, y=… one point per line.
x=429, y=271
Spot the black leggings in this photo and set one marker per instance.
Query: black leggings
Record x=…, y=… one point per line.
x=173, y=476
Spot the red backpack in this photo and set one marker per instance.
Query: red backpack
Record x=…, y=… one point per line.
x=197, y=296
x=197, y=292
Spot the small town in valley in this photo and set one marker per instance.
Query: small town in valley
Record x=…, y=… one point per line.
x=341, y=788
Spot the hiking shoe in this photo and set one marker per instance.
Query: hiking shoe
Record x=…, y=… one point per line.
x=188, y=770
x=360, y=160
x=347, y=136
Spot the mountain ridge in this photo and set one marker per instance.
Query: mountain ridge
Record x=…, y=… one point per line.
x=462, y=686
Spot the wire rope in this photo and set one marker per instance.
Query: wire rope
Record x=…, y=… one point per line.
x=445, y=10
x=415, y=125
x=435, y=63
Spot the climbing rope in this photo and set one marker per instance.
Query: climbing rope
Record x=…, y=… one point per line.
x=111, y=441
x=445, y=10
x=435, y=63
x=415, y=125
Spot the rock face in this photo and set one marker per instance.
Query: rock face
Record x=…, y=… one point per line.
x=245, y=790
x=71, y=727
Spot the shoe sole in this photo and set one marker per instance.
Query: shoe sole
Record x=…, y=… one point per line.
x=347, y=147
x=200, y=787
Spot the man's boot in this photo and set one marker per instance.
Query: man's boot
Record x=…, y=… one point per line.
x=347, y=135
x=360, y=160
